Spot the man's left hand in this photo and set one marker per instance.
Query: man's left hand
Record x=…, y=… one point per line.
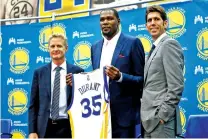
x=113, y=73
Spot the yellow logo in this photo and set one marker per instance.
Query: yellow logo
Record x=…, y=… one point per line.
x=183, y=119
x=202, y=95
x=146, y=42
x=18, y=134
x=47, y=31
x=202, y=44
x=19, y=60
x=82, y=54
x=17, y=101
x=176, y=22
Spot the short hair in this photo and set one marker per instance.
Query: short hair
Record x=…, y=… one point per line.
x=56, y=35
x=113, y=10
x=156, y=8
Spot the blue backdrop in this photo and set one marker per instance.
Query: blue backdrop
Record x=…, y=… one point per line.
x=24, y=48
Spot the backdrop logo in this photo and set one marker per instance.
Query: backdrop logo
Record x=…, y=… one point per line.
x=146, y=41
x=18, y=134
x=202, y=95
x=82, y=54
x=47, y=31
x=12, y=41
x=202, y=44
x=19, y=60
x=199, y=19
x=176, y=22
x=10, y=81
x=132, y=27
x=198, y=69
x=17, y=101
x=183, y=119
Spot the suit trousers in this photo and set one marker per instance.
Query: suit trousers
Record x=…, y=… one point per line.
x=166, y=130
x=122, y=132
x=58, y=129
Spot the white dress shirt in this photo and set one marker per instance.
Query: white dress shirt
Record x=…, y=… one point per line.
x=63, y=89
x=108, y=51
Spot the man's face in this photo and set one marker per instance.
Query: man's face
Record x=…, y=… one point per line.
x=155, y=25
x=57, y=49
x=109, y=23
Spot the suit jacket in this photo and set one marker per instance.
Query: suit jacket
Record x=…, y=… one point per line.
x=163, y=84
x=128, y=57
x=40, y=98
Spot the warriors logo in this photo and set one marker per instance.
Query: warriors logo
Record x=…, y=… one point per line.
x=202, y=44
x=47, y=31
x=183, y=119
x=146, y=41
x=17, y=101
x=202, y=95
x=177, y=21
x=19, y=60
x=18, y=134
x=82, y=54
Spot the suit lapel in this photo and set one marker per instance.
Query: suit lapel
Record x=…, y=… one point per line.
x=48, y=79
x=149, y=60
x=118, y=48
x=98, y=54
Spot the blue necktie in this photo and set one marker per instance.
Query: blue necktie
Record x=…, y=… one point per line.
x=56, y=93
x=152, y=49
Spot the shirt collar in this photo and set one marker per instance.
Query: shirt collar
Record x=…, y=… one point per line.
x=159, y=39
x=114, y=39
x=63, y=66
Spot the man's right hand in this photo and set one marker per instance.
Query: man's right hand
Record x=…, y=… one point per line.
x=33, y=136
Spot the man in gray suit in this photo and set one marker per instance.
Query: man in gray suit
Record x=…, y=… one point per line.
x=163, y=79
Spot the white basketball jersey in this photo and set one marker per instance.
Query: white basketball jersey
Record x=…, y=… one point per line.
x=90, y=110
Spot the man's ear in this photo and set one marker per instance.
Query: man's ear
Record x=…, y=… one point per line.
x=165, y=24
x=119, y=21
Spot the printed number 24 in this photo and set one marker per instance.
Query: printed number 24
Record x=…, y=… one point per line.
x=95, y=110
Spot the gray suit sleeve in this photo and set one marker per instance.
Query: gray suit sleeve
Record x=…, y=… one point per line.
x=173, y=63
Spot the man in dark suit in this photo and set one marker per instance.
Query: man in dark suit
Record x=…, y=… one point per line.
x=163, y=79
x=50, y=96
x=123, y=57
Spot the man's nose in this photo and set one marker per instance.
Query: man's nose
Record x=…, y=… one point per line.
x=105, y=21
x=153, y=22
x=55, y=48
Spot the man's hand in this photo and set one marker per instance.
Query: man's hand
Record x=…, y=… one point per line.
x=69, y=79
x=161, y=121
x=113, y=73
x=33, y=136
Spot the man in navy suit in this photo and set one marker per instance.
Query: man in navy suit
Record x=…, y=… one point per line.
x=48, y=117
x=123, y=57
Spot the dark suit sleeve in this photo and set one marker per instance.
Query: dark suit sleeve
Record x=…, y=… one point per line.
x=137, y=66
x=33, y=107
x=92, y=58
x=173, y=61
x=78, y=70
